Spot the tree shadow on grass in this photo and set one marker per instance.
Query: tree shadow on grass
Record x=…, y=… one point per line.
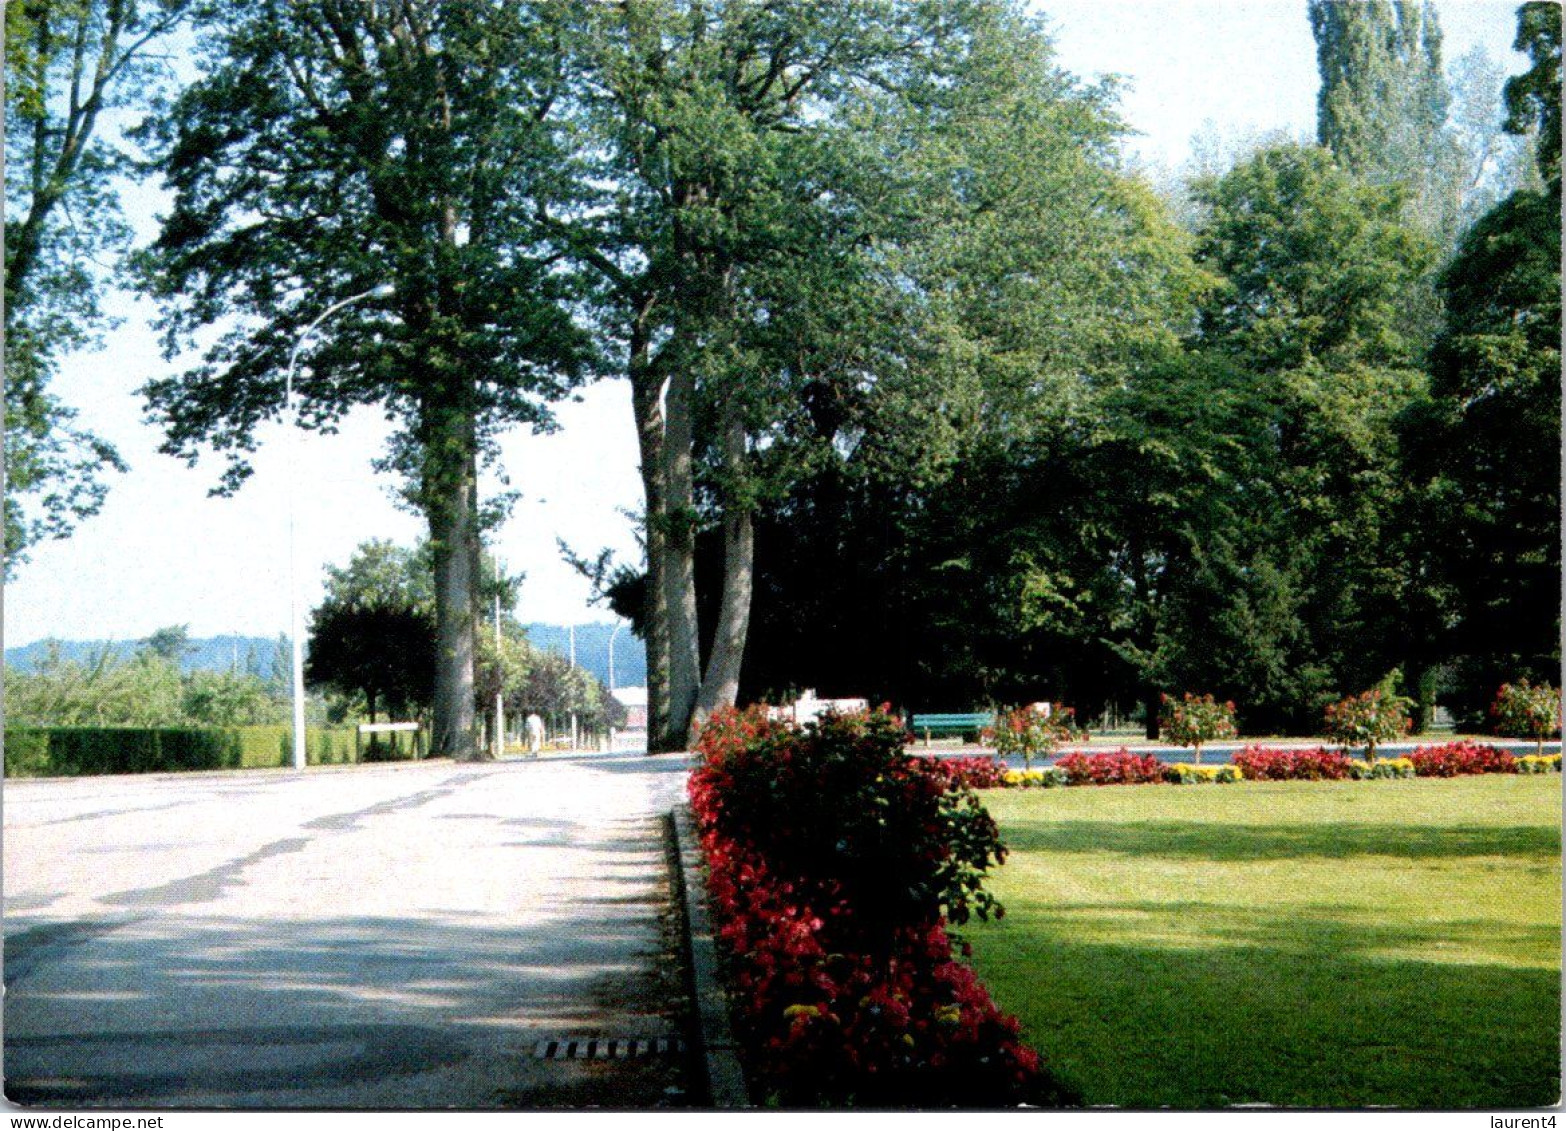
x=1297, y=1010
x=1235, y=842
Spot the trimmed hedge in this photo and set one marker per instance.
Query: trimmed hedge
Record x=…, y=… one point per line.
x=272, y=745
x=85, y=751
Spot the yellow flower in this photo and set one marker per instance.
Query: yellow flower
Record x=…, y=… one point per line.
x=948, y=1014
x=794, y=1011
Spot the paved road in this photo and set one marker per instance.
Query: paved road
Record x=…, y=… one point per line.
x=387, y=936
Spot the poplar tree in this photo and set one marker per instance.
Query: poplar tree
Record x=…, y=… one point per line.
x=1383, y=98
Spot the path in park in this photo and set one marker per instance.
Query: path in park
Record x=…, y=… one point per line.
x=375, y=936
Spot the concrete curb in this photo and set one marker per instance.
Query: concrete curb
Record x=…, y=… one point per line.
x=716, y=1050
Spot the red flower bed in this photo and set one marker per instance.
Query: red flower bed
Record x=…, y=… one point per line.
x=836, y=860
x=1457, y=758
x=971, y=773
x=1120, y=768
x=1258, y=763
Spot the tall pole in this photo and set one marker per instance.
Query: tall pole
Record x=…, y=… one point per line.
x=295, y=610
x=500, y=674
x=612, y=635
x=607, y=708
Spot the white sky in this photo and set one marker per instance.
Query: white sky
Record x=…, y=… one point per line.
x=162, y=552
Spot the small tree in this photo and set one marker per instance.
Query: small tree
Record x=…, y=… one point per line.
x=1194, y=719
x=1029, y=731
x=1368, y=719
x=1522, y=710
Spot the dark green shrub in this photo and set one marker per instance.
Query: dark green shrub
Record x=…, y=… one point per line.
x=26, y=752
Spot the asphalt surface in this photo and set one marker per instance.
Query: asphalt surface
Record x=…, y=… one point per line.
x=379, y=936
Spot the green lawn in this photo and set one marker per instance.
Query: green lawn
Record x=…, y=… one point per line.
x=1317, y=944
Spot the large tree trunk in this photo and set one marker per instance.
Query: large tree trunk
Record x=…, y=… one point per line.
x=449, y=444
x=720, y=685
x=679, y=557
x=647, y=405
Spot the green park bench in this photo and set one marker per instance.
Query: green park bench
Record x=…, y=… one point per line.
x=943, y=725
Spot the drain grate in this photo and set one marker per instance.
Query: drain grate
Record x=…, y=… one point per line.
x=605, y=1048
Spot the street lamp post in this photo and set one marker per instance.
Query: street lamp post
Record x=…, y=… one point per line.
x=500, y=670
x=295, y=617
x=612, y=635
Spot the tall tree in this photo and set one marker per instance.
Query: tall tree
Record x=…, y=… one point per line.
x=1488, y=450
x=1533, y=99
x=708, y=112
x=334, y=145
x=69, y=65
x=1317, y=266
x=1383, y=98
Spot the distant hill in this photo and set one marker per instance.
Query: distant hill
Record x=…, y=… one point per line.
x=592, y=650
x=259, y=654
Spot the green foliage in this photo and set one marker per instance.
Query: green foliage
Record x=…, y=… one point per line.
x=26, y=752
x=1485, y=452
x=146, y=690
x=844, y=808
x=78, y=751
x=1317, y=266
x=227, y=699
x=70, y=65
x=1533, y=99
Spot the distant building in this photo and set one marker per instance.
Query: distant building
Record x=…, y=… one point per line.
x=634, y=700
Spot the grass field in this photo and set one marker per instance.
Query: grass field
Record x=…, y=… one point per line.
x=1309, y=944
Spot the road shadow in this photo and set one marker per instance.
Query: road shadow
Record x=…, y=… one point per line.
x=169, y=1007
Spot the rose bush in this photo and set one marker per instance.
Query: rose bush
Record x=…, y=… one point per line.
x=836, y=861
x=1194, y=719
x=1368, y=719
x=1522, y=710
x=1032, y=733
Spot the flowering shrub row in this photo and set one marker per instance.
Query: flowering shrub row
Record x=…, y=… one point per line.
x=1120, y=768
x=1254, y=763
x=1362, y=770
x=1458, y=758
x=1539, y=764
x=981, y=772
x=1257, y=763
x=1184, y=773
x=836, y=861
